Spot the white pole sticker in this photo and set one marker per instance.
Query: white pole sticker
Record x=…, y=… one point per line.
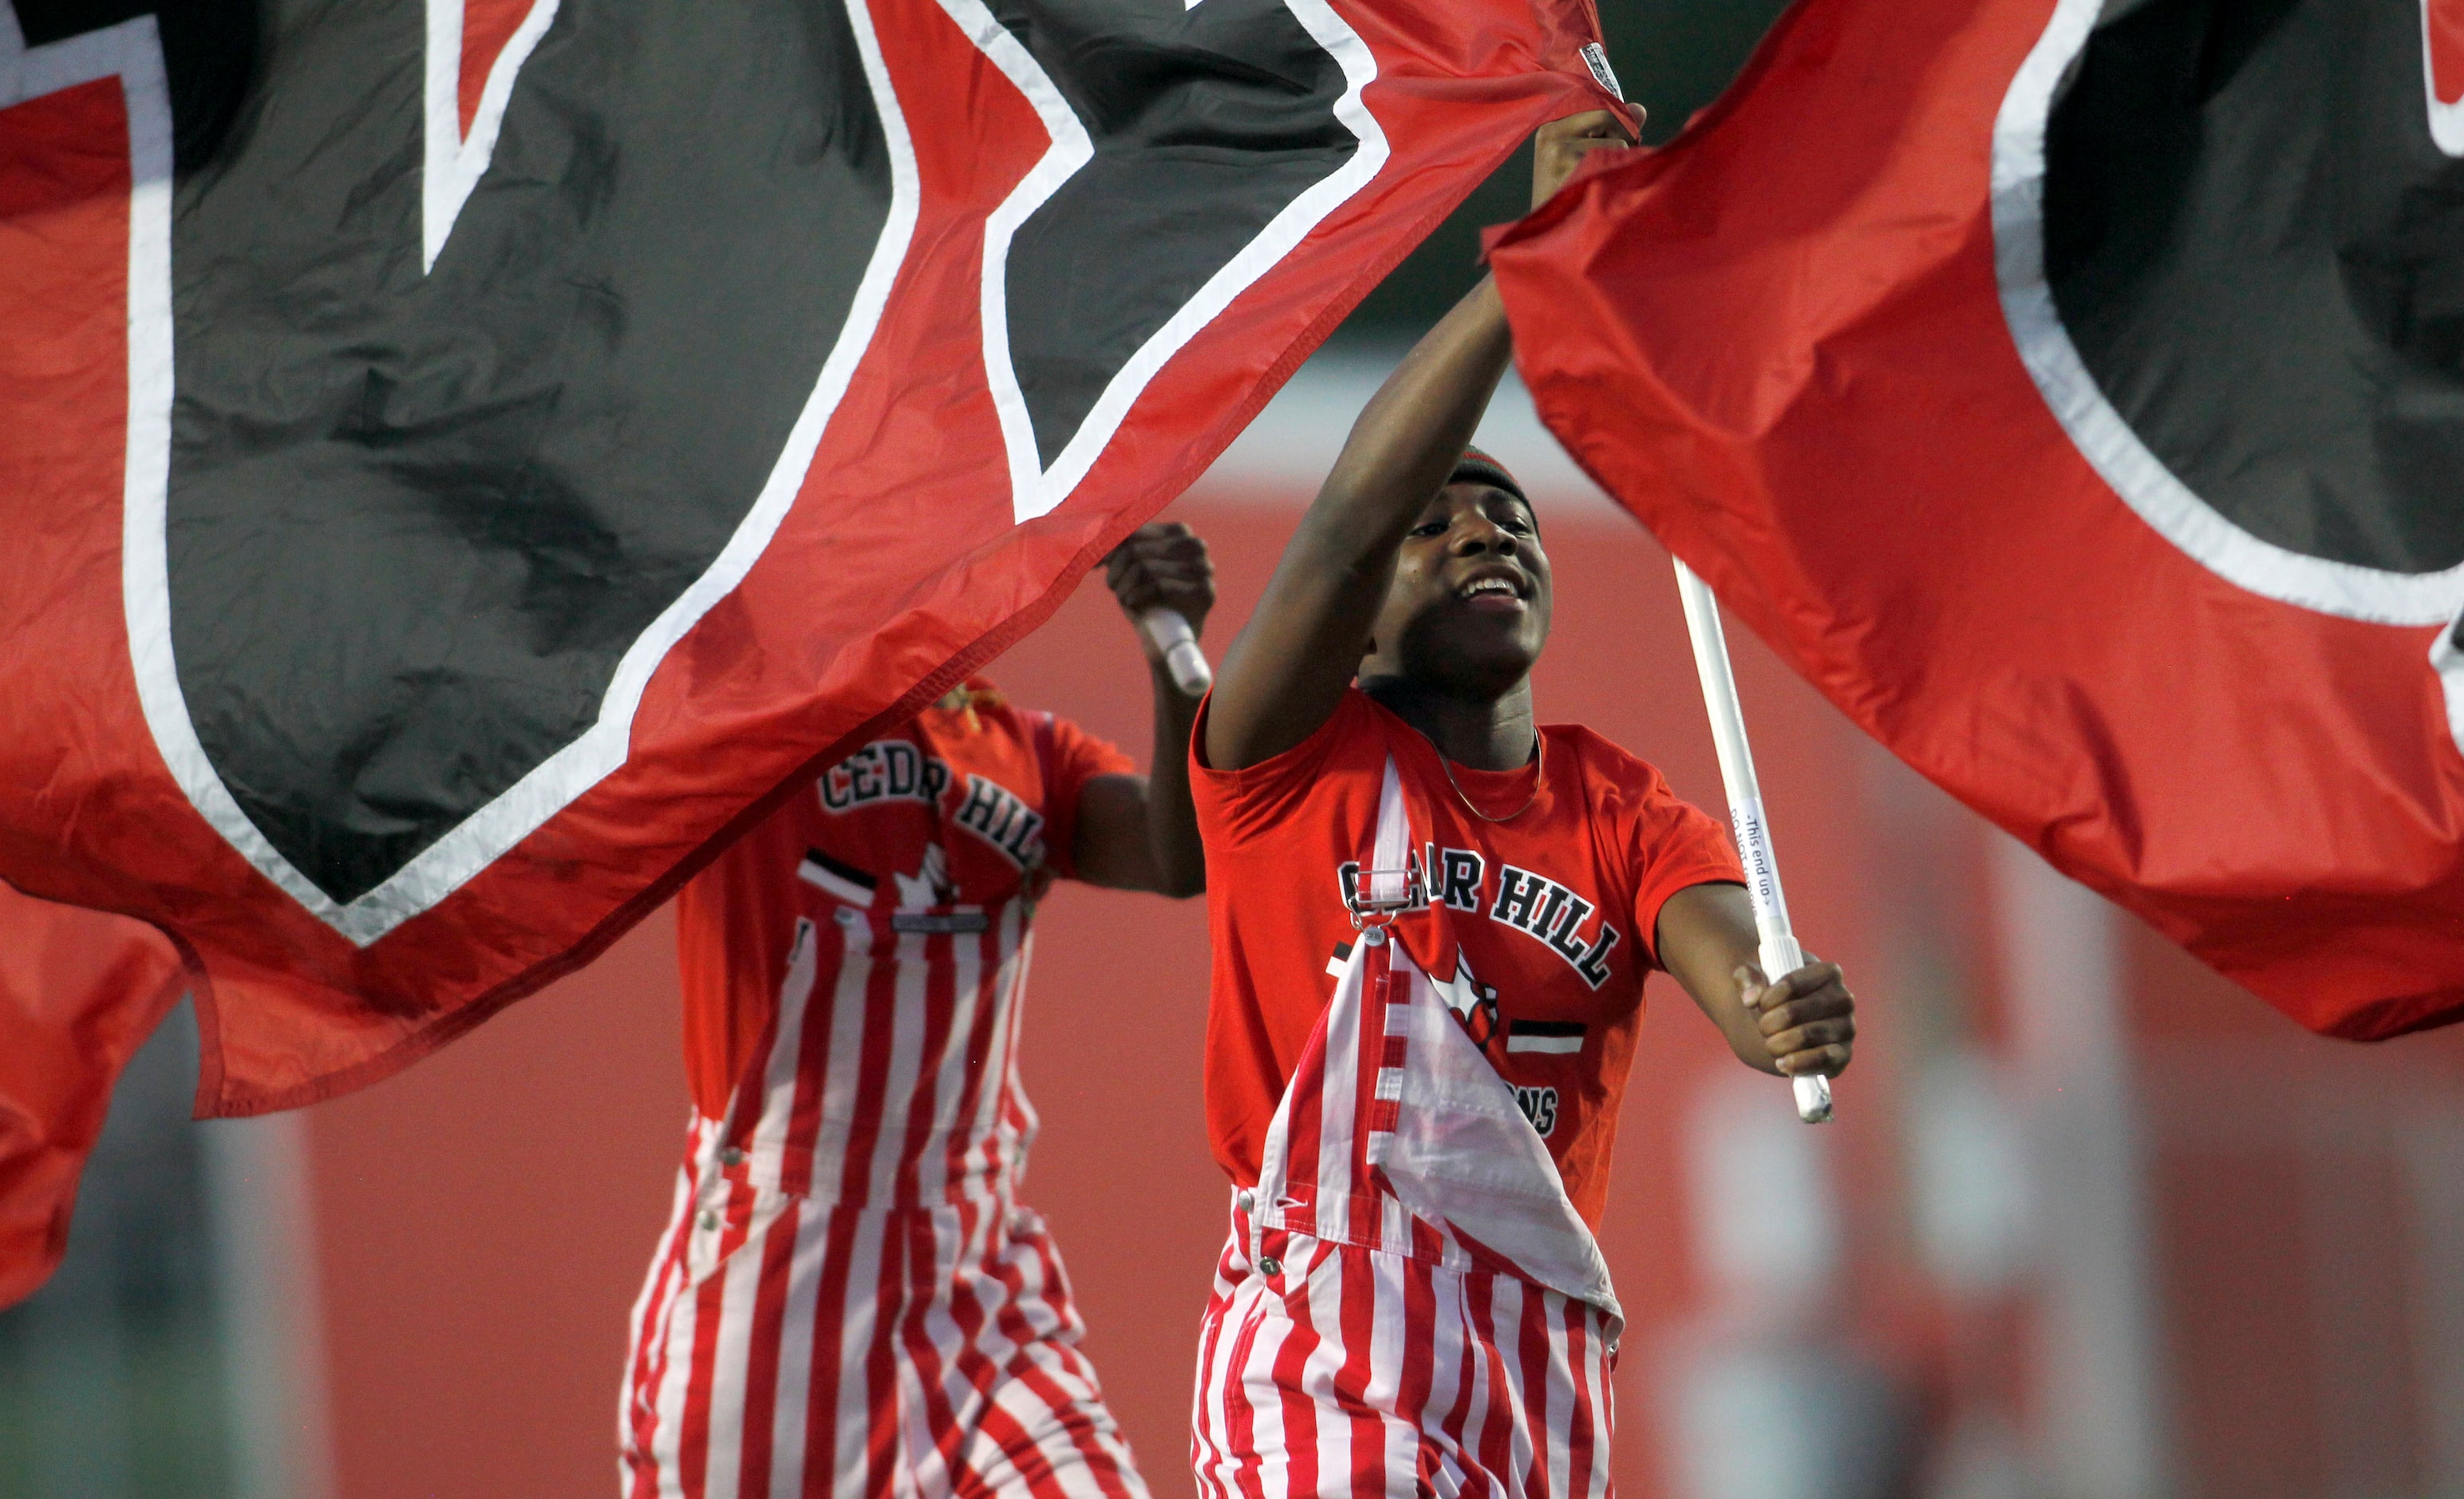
x=1597, y=58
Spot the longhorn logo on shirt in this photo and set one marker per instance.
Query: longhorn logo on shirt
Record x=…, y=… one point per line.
x=929, y=885
x=1472, y=1002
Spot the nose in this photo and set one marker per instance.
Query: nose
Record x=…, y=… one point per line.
x=1475, y=534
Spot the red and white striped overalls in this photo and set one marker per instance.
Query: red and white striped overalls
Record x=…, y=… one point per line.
x=849, y=1299
x=1409, y=1303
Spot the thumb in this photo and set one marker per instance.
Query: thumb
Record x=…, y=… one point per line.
x=1752, y=985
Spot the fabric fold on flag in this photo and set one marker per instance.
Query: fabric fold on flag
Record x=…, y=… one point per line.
x=420, y=571
x=2006, y=385
x=79, y=992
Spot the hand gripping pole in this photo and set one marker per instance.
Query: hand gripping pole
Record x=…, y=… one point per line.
x=1780, y=955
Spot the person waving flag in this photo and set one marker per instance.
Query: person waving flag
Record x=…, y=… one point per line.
x=1433, y=922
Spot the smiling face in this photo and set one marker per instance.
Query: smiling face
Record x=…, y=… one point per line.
x=1468, y=611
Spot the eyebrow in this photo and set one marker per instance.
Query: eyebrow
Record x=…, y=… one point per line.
x=1529, y=510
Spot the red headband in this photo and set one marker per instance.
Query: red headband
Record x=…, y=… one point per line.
x=1478, y=468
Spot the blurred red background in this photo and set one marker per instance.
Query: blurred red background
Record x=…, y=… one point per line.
x=2249, y=1221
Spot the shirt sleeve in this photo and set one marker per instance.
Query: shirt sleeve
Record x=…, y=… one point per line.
x=1072, y=757
x=1676, y=845
x=1236, y=806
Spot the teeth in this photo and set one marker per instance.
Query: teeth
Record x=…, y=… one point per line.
x=1489, y=585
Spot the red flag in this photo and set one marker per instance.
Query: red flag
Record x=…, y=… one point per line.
x=80, y=990
x=2015, y=370
x=448, y=500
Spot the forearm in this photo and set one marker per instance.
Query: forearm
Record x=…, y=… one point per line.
x=1407, y=441
x=1290, y=667
x=1173, y=844
x=1799, y=1022
x=1710, y=979
x=1408, y=438
x=1706, y=934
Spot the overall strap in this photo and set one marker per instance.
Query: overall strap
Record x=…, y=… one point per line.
x=1312, y=1151
x=1392, y=848
x=1389, y=884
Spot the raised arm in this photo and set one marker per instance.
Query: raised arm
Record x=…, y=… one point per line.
x=1140, y=832
x=1283, y=676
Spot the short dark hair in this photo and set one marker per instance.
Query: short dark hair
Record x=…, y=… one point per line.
x=1476, y=467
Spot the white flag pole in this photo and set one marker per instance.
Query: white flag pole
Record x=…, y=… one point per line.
x=1177, y=644
x=1780, y=955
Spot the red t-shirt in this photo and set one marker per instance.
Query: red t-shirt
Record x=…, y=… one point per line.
x=1547, y=916
x=994, y=787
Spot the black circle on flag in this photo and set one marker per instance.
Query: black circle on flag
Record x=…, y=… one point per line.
x=2253, y=248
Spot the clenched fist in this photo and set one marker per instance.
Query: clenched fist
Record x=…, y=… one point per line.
x=1163, y=564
